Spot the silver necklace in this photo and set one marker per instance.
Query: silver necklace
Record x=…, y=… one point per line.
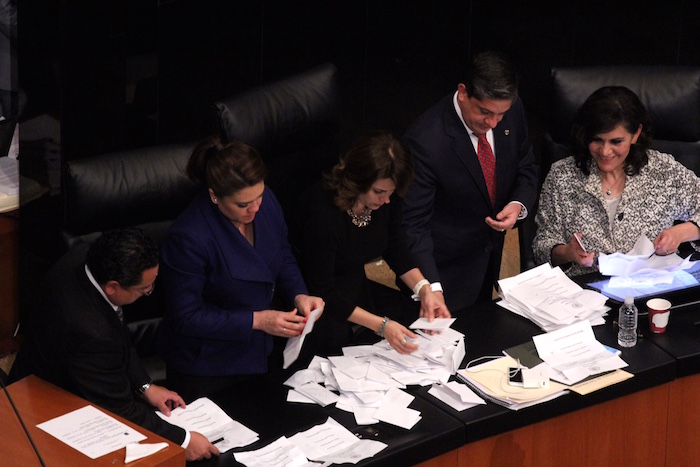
x=608, y=190
x=362, y=219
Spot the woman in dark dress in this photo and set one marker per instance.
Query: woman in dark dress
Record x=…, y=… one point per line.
x=350, y=219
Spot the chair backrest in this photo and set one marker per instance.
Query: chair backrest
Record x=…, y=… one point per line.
x=294, y=123
x=145, y=188
x=671, y=95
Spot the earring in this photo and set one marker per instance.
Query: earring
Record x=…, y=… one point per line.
x=216, y=200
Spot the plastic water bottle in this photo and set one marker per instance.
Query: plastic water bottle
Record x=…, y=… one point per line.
x=627, y=323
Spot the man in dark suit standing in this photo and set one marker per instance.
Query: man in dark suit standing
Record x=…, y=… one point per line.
x=78, y=341
x=475, y=177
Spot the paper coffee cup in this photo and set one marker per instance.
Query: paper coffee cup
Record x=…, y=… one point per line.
x=659, y=312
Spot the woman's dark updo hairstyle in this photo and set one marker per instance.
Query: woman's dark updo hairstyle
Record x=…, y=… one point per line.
x=225, y=168
x=605, y=109
x=375, y=156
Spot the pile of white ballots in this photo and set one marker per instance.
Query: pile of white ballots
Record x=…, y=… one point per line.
x=550, y=299
x=368, y=380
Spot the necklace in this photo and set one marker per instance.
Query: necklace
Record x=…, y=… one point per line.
x=362, y=219
x=608, y=188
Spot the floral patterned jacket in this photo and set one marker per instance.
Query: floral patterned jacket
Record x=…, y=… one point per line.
x=662, y=192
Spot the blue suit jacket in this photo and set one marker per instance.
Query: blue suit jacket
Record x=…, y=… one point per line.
x=214, y=280
x=447, y=202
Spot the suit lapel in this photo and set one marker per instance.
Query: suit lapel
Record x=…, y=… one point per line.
x=242, y=260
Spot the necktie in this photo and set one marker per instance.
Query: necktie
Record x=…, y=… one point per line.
x=120, y=314
x=488, y=166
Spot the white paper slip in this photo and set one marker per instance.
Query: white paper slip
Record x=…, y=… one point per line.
x=293, y=347
x=456, y=395
x=365, y=449
x=207, y=418
x=324, y=440
x=365, y=415
x=397, y=397
x=136, y=451
x=280, y=453
x=318, y=393
x=91, y=431
x=437, y=324
x=295, y=396
x=397, y=415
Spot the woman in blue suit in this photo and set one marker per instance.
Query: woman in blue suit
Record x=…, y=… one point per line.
x=222, y=261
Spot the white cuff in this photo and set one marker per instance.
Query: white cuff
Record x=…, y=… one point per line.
x=186, y=442
x=435, y=287
x=419, y=285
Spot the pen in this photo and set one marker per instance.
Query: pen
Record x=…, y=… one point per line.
x=217, y=441
x=580, y=242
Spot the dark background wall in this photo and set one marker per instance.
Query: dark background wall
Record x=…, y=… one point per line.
x=123, y=73
x=102, y=75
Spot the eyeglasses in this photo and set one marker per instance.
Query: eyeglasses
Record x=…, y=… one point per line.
x=147, y=290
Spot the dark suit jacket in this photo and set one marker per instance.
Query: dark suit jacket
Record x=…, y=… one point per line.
x=214, y=280
x=76, y=341
x=447, y=202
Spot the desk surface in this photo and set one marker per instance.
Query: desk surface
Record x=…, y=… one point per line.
x=681, y=339
x=261, y=405
x=489, y=329
x=38, y=401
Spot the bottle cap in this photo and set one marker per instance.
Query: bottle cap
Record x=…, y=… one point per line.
x=629, y=300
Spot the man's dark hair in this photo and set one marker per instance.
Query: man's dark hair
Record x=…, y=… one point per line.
x=491, y=75
x=122, y=255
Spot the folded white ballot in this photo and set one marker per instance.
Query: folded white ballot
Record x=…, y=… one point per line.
x=136, y=451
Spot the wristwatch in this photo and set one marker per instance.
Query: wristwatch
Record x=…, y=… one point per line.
x=143, y=388
x=523, y=212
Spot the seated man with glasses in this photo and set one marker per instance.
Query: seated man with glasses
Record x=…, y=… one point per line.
x=76, y=337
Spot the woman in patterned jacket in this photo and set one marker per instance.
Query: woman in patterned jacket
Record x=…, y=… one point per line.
x=614, y=188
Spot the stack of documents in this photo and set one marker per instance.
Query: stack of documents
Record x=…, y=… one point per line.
x=573, y=354
x=330, y=443
x=550, y=299
x=368, y=380
x=208, y=419
x=490, y=380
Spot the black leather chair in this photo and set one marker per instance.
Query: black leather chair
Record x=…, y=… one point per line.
x=145, y=188
x=294, y=123
x=670, y=94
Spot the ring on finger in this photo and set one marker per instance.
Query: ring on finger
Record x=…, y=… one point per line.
x=403, y=341
x=284, y=329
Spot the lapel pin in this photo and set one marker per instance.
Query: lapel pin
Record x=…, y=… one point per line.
x=507, y=132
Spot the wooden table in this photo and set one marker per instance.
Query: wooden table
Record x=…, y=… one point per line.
x=38, y=401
